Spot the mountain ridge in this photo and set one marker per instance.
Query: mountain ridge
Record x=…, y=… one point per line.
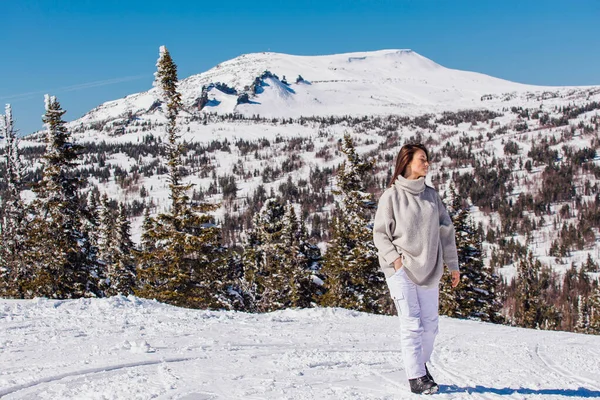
x=277, y=85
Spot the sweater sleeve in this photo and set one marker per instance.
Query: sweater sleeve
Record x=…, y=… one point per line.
x=383, y=229
x=447, y=237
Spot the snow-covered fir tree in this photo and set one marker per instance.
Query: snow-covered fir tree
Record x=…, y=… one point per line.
x=594, y=310
x=63, y=260
x=115, y=250
x=13, y=164
x=106, y=231
x=90, y=224
x=351, y=266
x=146, y=243
x=121, y=271
x=279, y=263
x=583, y=317
x=305, y=260
x=13, y=223
x=266, y=280
x=293, y=261
x=166, y=82
x=530, y=309
x=182, y=261
x=590, y=265
x=476, y=296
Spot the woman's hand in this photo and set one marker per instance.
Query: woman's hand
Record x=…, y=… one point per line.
x=455, y=278
x=398, y=263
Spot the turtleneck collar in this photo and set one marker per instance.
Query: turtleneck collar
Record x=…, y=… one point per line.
x=414, y=186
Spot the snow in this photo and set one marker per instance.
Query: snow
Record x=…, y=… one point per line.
x=47, y=101
x=130, y=348
x=363, y=83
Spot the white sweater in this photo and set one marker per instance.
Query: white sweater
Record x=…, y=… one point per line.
x=412, y=222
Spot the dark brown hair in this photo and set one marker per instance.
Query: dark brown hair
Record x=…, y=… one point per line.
x=405, y=157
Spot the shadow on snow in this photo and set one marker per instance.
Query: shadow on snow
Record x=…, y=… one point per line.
x=579, y=392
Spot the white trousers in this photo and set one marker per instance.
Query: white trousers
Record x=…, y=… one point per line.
x=417, y=308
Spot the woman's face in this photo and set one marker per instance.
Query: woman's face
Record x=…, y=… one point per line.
x=419, y=166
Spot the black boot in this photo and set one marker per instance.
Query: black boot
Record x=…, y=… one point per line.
x=423, y=385
x=428, y=375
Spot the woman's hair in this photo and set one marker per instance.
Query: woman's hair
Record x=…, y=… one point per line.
x=405, y=157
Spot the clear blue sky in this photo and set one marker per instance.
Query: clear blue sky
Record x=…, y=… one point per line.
x=87, y=52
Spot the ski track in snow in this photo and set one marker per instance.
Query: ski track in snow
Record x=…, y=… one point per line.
x=569, y=376
x=129, y=348
x=82, y=373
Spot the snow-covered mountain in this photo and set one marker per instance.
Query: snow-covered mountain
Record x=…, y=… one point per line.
x=365, y=83
x=129, y=348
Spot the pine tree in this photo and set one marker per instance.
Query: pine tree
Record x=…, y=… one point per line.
x=590, y=265
x=583, y=318
x=13, y=222
x=267, y=281
x=182, y=261
x=121, y=272
x=252, y=262
x=310, y=255
x=351, y=265
x=476, y=296
x=278, y=260
x=90, y=224
x=297, y=260
x=529, y=312
x=106, y=231
x=63, y=259
x=115, y=250
x=594, y=314
x=103, y=237
x=147, y=243
x=14, y=167
x=166, y=82
x=448, y=301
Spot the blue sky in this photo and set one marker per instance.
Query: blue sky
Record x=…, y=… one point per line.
x=87, y=52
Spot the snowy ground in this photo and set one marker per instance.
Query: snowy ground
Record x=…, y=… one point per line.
x=128, y=348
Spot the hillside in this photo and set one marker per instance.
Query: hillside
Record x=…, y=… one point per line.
x=138, y=349
x=523, y=159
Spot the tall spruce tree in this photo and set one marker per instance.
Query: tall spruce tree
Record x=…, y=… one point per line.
x=351, y=266
x=251, y=261
x=278, y=261
x=121, y=272
x=91, y=223
x=298, y=260
x=115, y=250
x=13, y=223
x=476, y=296
x=182, y=261
x=594, y=310
x=308, y=284
x=583, y=317
x=147, y=243
x=529, y=307
x=267, y=281
x=106, y=231
x=62, y=257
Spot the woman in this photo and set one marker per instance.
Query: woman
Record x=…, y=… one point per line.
x=414, y=237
